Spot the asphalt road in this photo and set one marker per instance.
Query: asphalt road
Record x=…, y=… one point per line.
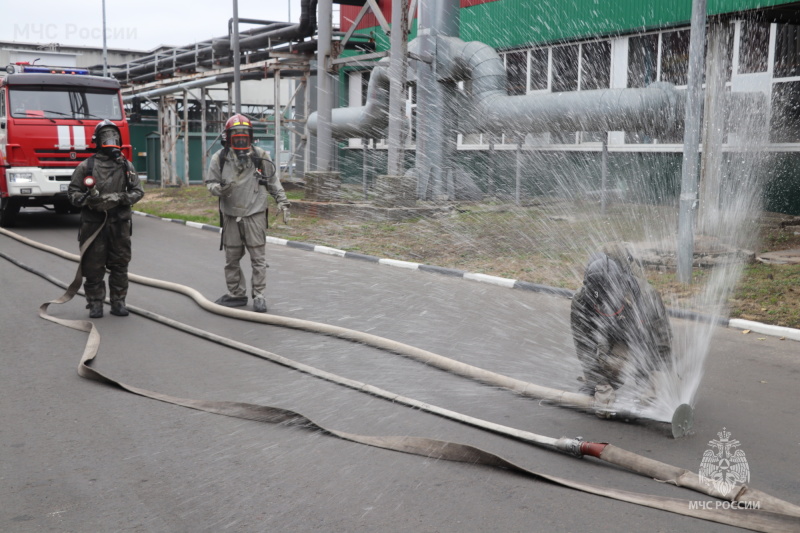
x=79, y=456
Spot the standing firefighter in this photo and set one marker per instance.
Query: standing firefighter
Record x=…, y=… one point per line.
x=105, y=186
x=242, y=175
x=619, y=324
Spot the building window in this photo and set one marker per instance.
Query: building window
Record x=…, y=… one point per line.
x=642, y=60
x=565, y=68
x=517, y=72
x=787, y=51
x=675, y=57
x=539, y=68
x=365, y=86
x=596, y=66
x=753, y=47
x=785, y=116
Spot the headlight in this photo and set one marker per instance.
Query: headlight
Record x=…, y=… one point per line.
x=20, y=177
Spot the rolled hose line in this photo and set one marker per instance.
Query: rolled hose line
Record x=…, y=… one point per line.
x=559, y=397
x=780, y=516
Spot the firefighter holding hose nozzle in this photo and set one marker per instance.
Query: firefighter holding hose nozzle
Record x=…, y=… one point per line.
x=243, y=176
x=619, y=325
x=105, y=186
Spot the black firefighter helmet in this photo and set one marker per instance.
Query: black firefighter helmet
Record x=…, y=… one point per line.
x=107, y=137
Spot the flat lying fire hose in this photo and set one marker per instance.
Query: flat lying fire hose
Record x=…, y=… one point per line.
x=775, y=514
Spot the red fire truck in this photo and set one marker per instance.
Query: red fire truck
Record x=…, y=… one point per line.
x=47, y=117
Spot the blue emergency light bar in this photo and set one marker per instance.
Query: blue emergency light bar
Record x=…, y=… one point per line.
x=24, y=67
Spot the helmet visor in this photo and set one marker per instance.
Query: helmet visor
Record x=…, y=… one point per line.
x=108, y=138
x=240, y=140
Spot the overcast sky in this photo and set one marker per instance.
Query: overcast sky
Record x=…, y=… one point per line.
x=131, y=24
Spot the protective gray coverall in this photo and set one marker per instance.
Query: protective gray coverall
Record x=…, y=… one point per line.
x=118, y=188
x=618, y=319
x=243, y=204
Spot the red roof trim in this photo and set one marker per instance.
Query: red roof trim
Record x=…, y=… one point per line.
x=347, y=14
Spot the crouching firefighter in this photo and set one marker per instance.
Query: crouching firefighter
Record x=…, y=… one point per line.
x=105, y=186
x=243, y=176
x=620, y=326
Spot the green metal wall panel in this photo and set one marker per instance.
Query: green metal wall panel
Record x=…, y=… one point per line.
x=512, y=23
x=139, y=132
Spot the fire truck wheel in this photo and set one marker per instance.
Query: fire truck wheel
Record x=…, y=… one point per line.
x=8, y=212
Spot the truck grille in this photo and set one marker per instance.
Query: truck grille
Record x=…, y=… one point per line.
x=61, y=158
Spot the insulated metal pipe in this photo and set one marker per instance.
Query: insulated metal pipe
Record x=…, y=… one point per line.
x=656, y=109
x=369, y=120
x=306, y=27
x=203, y=82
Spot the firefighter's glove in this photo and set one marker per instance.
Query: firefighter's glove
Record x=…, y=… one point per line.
x=124, y=198
x=104, y=202
x=263, y=181
x=220, y=189
x=284, y=208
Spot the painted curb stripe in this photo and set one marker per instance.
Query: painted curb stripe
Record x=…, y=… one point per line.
x=329, y=251
x=399, y=264
x=493, y=280
x=765, y=329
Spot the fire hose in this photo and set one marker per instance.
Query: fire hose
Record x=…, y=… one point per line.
x=775, y=514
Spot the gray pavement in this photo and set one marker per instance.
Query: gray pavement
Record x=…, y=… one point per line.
x=79, y=456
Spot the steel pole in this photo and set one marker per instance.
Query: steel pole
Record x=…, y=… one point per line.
x=324, y=87
x=604, y=174
x=691, y=141
x=105, y=48
x=203, y=152
x=397, y=86
x=237, y=75
x=185, y=129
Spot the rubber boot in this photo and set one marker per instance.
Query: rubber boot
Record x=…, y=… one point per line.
x=231, y=301
x=259, y=304
x=95, y=308
x=118, y=308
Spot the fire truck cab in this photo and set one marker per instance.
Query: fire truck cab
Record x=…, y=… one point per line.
x=47, y=118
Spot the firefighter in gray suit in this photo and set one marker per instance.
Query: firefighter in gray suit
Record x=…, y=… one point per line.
x=109, y=193
x=619, y=323
x=243, y=177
